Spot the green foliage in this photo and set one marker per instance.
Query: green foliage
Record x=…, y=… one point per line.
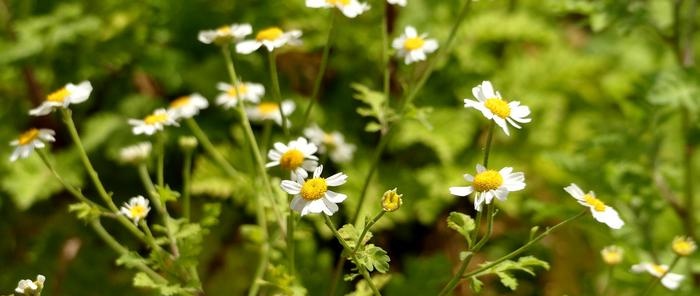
x=461, y=223
x=363, y=289
x=504, y=270
x=84, y=211
x=166, y=194
x=372, y=257
x=376, y=108
x=351, y=235
x=142, y=280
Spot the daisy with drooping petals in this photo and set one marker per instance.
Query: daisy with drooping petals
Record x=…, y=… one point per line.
x=270, y=111
x=137, y=209
x=601, y=212
x=153, y=123
x=397, y=2
x=230, y=95
x=350, y=8
x=224, y=34
x=488, y=184
x=490, y=103
x=187, y=106
x=413, y=47
x=135, y=154
x=69, y=94
x=271, y=38
x=334, y=144
x=29, y=287
x=313, y=196
x=296, y=157
x=670, y=280
x=30, y=140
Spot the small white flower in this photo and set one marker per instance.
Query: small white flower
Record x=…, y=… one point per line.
x=350, y=8
x=296, y=157
x=228, y=33
x=135, y=153
x=601, y=212
x=137, y=208
x=271, y=38
x=187, y=106
x=153, y=123
x=489, y=184
x=412, y=47
x=29, y=287
x=313, y=196
x=62, y=98
x=30, y=140
x=251, y=92
x=397, y=2
x=270, y=111
x=490, y=103
x=612, y=255
x=334, y=144
x=670, y=280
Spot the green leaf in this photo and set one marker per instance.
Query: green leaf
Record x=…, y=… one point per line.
x=461, y=223
x=363, y=289
x=131, y=260
x=476, y=284
x=166, y=194
x=142, y=280
x=376, y=107
x=505, y=269
x=350, y=235
x=84, y=211
x=252, y=233
x=373, y=257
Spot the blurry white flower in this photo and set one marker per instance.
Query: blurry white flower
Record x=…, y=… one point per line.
x=135, y=153
x=153, y=123
x=612, y=255
x=490, y=103
x=271, y=38
x=296, y=157
x=601, y=212
x=137, y=208
x=334, y=144
x=413, y=47
x=187, y=106
x=313, y=196
x=489, y=184
x=29, y=287
x=670, y=280
x=397, y=2
x=30, y=140
x=225, y=34
x=350, y=8
x=230, y=95
x=69, y=94
x=683, y=245
x=270, y=111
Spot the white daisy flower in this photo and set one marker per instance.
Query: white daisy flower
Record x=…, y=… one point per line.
x=683, y=246
x=137, y=209
x=135, y=153
x=230, y=95
x=153, y=123
x=490, y=103
x=271, y=38
x=601, y=212
x=29, y=287
x=270, y=111
x=187, y=106
x=670, y=280
x=397, y=2
x=412, y=47
x=296, y=157
x=334, y=144
x=489, y=184
x=30, y=140
x=350, y=8
x=313, y=196
x=228, y=33
x=62, y=98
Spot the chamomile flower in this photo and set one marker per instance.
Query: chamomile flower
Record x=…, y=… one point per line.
x=397, y=2
x=251, y=92
x=135, y=154
x=270, y=111
x=137, y=209
x=332, y=143
x=187, y=106
x=413, y=47
x=683, y=246
x=490, y=103
x=670, y=280
x=350, y=8
x=488, y=184
x=313, y=196
x=224, y=34
x=29, y=287
x=601, y=212
x=29, y=140
x=296, y=157
x=62, y=98
x=612, y=255
x=271, y=38
x=153, y=122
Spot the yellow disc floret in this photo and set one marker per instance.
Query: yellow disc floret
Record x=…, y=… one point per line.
x=683, y=246
x=224, y=30
x=269, y=34
x=28, y=136
x=239, y=90
x=268, y=108
x=487, y=180
x=413, y=43
x=498, y=107
x=155, y=118
x=612, y=255
x=592, y=201
x=658, y=269
x=137, y=211
x=314, y=189
x=180, y=102
x=58, y=96
x=338, y=2
x=291, y=159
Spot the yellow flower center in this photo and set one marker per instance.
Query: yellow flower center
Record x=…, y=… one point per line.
x=612, y=256
x=597, y=205
x=660, y=270
x=156, y=118
x=338, y=2
x=413, y=43
x=269, y=34
x=137, y=211
x=487, y=180
x=291, y=159
x=28, y=136
x=498, y=107
x=224, y=30
x=234, y=91
x=58, y=96
x=314, y=189
x=268, y=108
x=180, y=102
x=683, y=246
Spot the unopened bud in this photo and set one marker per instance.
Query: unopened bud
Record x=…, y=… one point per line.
x=188, y=143
x=612, y=255
x=391, y=201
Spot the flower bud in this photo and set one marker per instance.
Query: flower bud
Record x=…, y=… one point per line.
x=683, y=246
x=391, y=201
x=188, y=143
x=135, y=154
x=612, y=255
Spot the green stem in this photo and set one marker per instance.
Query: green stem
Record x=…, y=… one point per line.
x=276, y=94
x=209, y=148
x=656, y=280
x=455, y=279
x=608, y=280
x=367, y=227
x=72, y=190
x=160, y=207
x=489, y=141
x=385, y=53
x=265, y=138
x=160, y=160
x=290, y=243
x=186, y=183
x=373, y=167
x=321, y=70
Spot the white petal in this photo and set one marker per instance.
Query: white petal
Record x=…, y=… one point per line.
x=247, y=46
x=575, y=191
x=291, y=187
x=330, y=207
x=335, y=197
x=337, y=179
x=298, y=204
x=461, y=191
x=608, y=216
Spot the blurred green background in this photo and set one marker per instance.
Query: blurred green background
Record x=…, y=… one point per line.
x=612, y=86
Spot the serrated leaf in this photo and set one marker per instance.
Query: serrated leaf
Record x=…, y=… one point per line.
x=373, y=257
x=84, y=211
x=363, y=289
x=462, y=223
x=350, y=235
x=507, y=280
x=252, y=233
x=166, y=194
x=476, y=284
x=504, y=269
x=131, y=260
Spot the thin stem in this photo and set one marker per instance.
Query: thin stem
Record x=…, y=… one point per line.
x=290, y=243
x=266, y=135
x=72, y=190
x=489, y=228
x=489, y=141
x=321, y=69
x=209, y=147
x=160, y=160
x=373, y=167
x=455, y=279
x=608, y=280
x=367, y=227
x=186, y=182
x=656, y=280
x=337, y=272
x=260, y=270
x=160, y=207
x=386, y=61
x=276, y=94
